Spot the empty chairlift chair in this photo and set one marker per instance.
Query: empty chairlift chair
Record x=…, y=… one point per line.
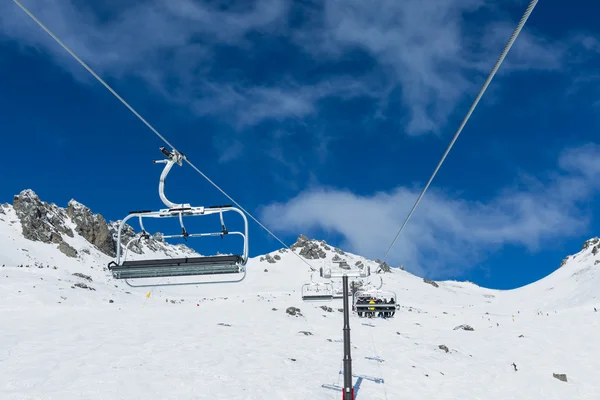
x=317, y=291
x=234, y=266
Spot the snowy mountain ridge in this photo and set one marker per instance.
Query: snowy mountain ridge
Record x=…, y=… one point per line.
x=71, y=331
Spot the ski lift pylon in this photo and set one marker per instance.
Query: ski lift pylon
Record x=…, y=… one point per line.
x=232, y=265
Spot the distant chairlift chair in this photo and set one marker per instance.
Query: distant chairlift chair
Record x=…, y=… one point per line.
x=362, y=301
x=232, y=265
x=317, y=291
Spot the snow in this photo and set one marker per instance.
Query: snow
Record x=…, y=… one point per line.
x=76, y=205
x=60, y=341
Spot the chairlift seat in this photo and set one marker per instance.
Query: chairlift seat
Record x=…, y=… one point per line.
x=315, y=297
x=188, y=266
x=367, y=306
x=317, y=292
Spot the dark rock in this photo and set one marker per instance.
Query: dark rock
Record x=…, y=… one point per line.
x=590, y=242
x=563, y=262
x=67, y=250
x=312, y=251
x=464, y=328
x=83, y=286
x=325, y=308
x=443, y=347
x=560, y=377
x=292, y=310
x=432, y=283
x=92, y=227
x=383, y=266
x=339, y=251
x=300, y=242
x=306, y=333
x=40, y=221
x=83, y=276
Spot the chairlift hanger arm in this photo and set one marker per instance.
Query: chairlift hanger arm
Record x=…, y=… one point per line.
x=173, y=157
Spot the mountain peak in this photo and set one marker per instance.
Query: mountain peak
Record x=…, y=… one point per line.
x=74, y=204
x=65, y=227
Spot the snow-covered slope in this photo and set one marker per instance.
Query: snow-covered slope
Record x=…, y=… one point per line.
x=88, y=336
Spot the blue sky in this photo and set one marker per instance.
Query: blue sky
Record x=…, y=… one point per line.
x=321, y=118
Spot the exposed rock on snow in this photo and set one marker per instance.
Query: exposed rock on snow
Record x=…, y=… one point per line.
x=49, y=223
x=83, y=276
x=464, y=328
x=92, y=227
x=383, y=266
x=40, y=221
x=310, y=249
x=432, y=283
x=293, y=311
x=67, y=249
x=560, y=377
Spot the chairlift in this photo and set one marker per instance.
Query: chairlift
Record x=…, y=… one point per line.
x=366, y=300
x=230, y=265
x=317, y=291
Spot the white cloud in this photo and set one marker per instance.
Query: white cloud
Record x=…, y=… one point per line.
x=423, y=48
x=447, y=234
x=432, y=54
x=426, y=49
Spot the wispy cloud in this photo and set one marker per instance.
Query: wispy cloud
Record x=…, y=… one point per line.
x=447, y=234
x=430, y=54
x=425, y=49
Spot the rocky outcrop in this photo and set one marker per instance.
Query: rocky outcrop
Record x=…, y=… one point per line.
x=49, y=223
x=40, y=221
x=309, y=249
x=593, y=243
x=590, y=242
x=383, y=266
x=154, y=242
x=67, y=249
x=270, y=259
x=339, y=251
x=432, y=283
x=92, y=227
x=560, y=377
x=464, y=328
